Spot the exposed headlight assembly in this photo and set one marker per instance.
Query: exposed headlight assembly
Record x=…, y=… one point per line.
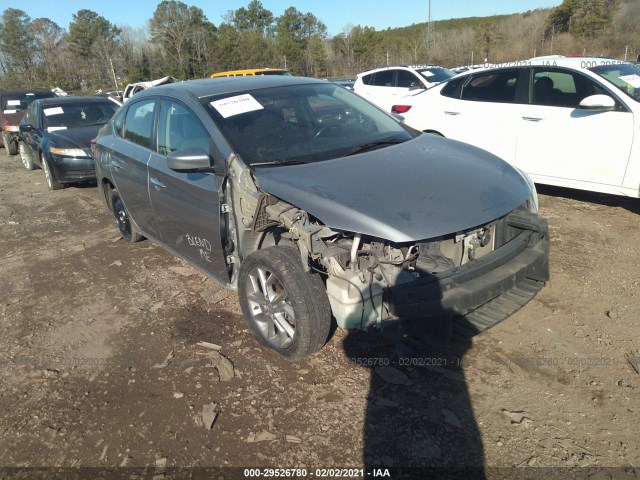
x=69, y=152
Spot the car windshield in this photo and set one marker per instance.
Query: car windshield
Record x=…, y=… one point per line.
x=436, y=74
x=302, y=124
x=17, y=102
x=72, y=115
x=625, y=76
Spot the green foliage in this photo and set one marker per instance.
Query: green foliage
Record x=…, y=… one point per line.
x=254, y=18
x=294, y=31
x=185, y=35
x=88, y=29
x=16, y=40
x=584, y=18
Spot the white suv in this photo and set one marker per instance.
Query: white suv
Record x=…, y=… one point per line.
x=570, y=122
x=383, y=86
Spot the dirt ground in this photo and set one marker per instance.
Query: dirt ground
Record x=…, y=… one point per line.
x=100, y=364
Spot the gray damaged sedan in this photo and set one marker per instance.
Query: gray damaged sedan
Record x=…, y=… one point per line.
x=313, y=203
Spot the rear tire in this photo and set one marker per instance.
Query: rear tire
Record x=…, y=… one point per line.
x=286, y=308
x=25, y=157
x=123, y=220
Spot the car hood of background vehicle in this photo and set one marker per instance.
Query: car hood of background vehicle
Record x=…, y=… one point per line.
x=424, y=188
x=12, y=118
x=78, y=136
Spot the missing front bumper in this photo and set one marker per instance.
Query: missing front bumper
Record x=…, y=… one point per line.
x=484, y=292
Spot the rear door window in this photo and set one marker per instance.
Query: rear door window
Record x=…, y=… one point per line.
x=406, y=79
x=495, y=86
x=138, y=123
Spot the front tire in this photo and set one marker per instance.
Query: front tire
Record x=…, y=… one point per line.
x=25, y=157
x=286, y=308
x=52, y=182
x=13, y=148
x=123, y=220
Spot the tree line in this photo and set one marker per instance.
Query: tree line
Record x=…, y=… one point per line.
x=180, y=41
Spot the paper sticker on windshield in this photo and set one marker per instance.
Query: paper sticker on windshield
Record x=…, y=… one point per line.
x=53, y=111
x=13, y=102
x=53, y=129
x=228, y=107
x=10, y=111
x=633, y=80
x=427, y=73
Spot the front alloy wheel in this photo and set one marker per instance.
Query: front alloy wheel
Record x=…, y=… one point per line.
x=270, y=307
x=52, y=183
x=286, y=308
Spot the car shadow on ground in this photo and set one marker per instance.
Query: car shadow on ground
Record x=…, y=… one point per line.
x=604, y=199
x=419, y=420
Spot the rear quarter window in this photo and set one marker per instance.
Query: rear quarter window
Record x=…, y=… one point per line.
x=494, y=86
x=453, y=88
x=383, y=79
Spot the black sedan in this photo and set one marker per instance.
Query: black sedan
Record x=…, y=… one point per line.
x=56, y=134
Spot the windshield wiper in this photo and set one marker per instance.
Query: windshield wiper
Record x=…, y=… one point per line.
x=277, y=162
x=369, y=146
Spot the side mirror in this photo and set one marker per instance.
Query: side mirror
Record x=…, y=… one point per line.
x=26, y=128
x=598, y=103
x=188, y=160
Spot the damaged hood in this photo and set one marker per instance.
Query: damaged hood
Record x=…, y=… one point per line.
x=424, y=188
x=75, y=137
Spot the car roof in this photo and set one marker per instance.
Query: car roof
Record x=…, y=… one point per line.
x=225, y=85
x=25, y=90
x=73, y=99
x=577, y=63
x=409, y=67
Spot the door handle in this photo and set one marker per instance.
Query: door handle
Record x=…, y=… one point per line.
x=532, y=119
x=157, y=184
x=451, y=113
x=117, y=165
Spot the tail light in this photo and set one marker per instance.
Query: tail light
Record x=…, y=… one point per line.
x=400, y=109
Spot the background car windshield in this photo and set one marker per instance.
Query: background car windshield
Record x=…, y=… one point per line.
x=17, y=102
x=73, y=115
x=436, y=74
x=625, y=76
x=303, y=123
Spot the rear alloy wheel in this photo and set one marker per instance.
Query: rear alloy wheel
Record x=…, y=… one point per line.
x=286, y=308
x=127, y=230
x=52, y=183
x=25, y=157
